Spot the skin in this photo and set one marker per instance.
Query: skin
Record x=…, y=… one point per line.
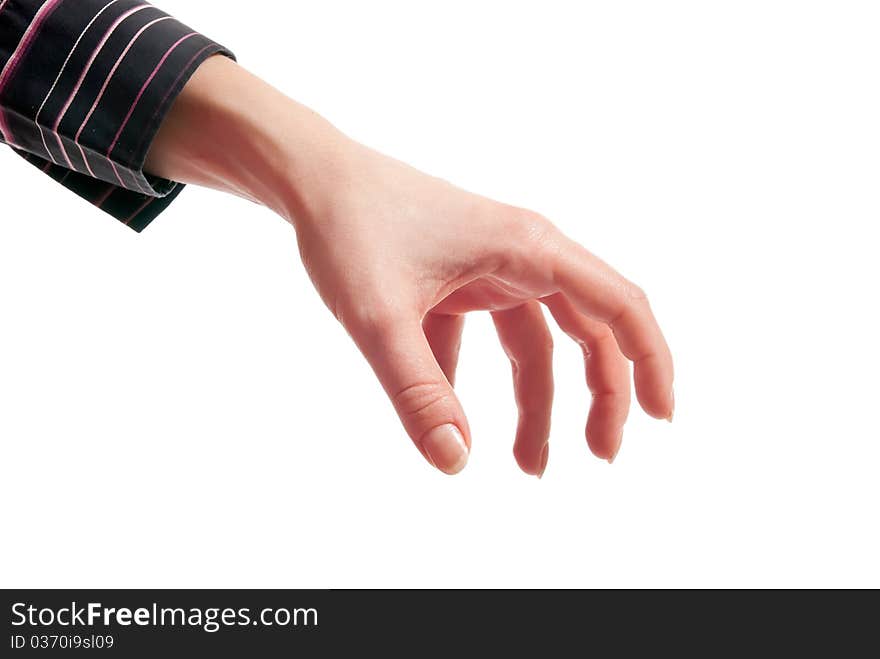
x=399, y=257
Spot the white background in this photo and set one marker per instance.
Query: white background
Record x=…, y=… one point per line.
x=178, y=408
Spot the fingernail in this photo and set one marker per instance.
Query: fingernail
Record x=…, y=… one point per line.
x=616, y=450
x=672, y=409
x=545, y=455
x=446, y=449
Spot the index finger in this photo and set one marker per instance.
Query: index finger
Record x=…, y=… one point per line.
x=598, y=291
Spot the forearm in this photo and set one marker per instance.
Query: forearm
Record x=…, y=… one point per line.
x=231, y=131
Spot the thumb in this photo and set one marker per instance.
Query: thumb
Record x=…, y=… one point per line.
x=427, y=406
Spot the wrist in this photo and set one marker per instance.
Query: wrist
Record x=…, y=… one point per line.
x=231, y=131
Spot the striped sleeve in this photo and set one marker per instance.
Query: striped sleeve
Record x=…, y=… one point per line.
x=84, y=87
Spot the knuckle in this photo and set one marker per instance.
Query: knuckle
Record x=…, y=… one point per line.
x=417, y=402
x=604, y=336
x=521, y=224
x=528, y=237
x=600, y=339
x=531, y=229
x=634, y=300
x=635, y=293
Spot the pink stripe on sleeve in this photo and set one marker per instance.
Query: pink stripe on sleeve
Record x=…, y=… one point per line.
x=85, y=71
x=105, y=195
x=21, y=50
x=104, y=89
x=140, y=210
x=82, y=153
x=61, y=72
x=144, y=88
x=112, y=71
x=171, y=89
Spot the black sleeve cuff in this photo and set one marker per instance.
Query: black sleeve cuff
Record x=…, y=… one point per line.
x=86, y=88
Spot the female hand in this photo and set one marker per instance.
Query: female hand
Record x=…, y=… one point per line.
x=399, y=257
